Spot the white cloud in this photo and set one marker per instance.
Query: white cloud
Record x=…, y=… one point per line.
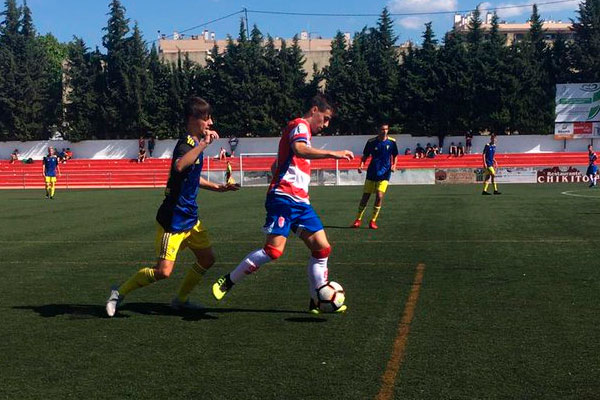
x=413, y=23
x=410, y=6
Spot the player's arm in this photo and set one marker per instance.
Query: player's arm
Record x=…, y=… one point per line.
x=483, y=156
x=207, y=185
x=365, y=156
x=303, y=151
x=44, y=166
x=394, y=157
x=363, y=160
x=190, y=157
x=58, y=170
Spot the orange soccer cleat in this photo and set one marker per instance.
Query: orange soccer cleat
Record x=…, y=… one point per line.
x=356, y=224
x=373, y=225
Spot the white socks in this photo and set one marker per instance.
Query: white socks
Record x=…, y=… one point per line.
x=251, y=263
x=317, y=273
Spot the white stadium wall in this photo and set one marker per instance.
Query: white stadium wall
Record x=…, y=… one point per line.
x=118, y=149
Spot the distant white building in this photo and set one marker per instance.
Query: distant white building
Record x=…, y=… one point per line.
x=515, y=32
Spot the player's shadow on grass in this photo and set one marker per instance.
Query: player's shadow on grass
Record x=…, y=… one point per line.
x=86, y=311
x=337, y=227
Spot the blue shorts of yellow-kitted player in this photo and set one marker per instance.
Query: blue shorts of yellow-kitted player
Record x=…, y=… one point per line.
x=489, y=171
x=167, y=244
x=375, y=186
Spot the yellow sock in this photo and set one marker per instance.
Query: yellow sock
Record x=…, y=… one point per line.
x=192, y=277
x=143, y=277
x=485, y=186
x=47, y=189
x=375, y=213
x=52, y=190
x=361, y=211
x=495, y=187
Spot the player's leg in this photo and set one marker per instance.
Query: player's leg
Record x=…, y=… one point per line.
x=52, y=186
x=318, y=271
x=167, y=245
x=280, y=215
x=361, y=209
x=494, y=184
x=368, y=188
x=377, y=206
x=199, y=243
x=486, y=181
x=47, y=185
x=272, y=250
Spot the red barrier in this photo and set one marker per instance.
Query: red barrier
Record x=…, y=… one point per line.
x=154, y=172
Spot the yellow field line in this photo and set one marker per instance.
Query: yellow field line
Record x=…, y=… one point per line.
x=388, y=379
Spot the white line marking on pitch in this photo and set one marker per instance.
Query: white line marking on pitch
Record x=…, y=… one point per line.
x=571, y=193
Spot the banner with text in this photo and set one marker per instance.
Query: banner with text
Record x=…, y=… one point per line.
x=577, y=109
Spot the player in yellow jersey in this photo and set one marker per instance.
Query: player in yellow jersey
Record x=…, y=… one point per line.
x=383, y=152
x=49, y=169
x=178, y=223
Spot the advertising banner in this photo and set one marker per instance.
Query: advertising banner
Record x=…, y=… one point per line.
x=577, y=108
x=512, y=175
x=455, y=175
x=562, y=175
x=564, y=130
x=578, y=102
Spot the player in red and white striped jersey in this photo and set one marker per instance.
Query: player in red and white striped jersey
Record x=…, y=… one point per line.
x=288, y=206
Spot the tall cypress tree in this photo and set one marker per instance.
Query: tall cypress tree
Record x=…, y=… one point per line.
x=586, y=44
x=81, y=97
x=117, y=80
x=455, y=84
x=135, y=116
x=382, y=60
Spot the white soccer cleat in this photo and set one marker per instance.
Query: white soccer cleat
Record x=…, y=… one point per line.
x=179, y=305
x=113, y=301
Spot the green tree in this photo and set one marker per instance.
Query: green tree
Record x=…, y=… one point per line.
x=117, y=91
x=586, y=44
x=81, y=96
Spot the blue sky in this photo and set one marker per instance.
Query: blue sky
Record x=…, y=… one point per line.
x=86, y=18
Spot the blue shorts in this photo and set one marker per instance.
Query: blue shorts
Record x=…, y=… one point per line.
x=284, y=214
x=592, y=169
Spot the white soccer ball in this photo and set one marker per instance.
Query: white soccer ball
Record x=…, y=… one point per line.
x=330, y=297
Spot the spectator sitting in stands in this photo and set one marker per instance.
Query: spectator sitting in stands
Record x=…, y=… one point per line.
x=407, y=152
x=14, y=156
x=430, y=152
x=68, y=154
x=141, y=156
x=460, y=150
x=453, y=150
x=142, y=143
x=419, y=151
x=61, y=156
x=223, y=154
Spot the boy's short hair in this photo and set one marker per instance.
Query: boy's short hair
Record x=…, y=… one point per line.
x=197, y=107
x=321, y=102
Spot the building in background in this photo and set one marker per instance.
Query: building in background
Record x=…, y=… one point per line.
x=515, y=32
x=316, y=50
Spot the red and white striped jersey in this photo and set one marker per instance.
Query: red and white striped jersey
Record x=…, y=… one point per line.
x=292, y=173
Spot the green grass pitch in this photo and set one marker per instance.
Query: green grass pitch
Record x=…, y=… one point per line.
x=508, y=308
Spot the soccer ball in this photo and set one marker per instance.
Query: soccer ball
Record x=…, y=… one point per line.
x=330, y=297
